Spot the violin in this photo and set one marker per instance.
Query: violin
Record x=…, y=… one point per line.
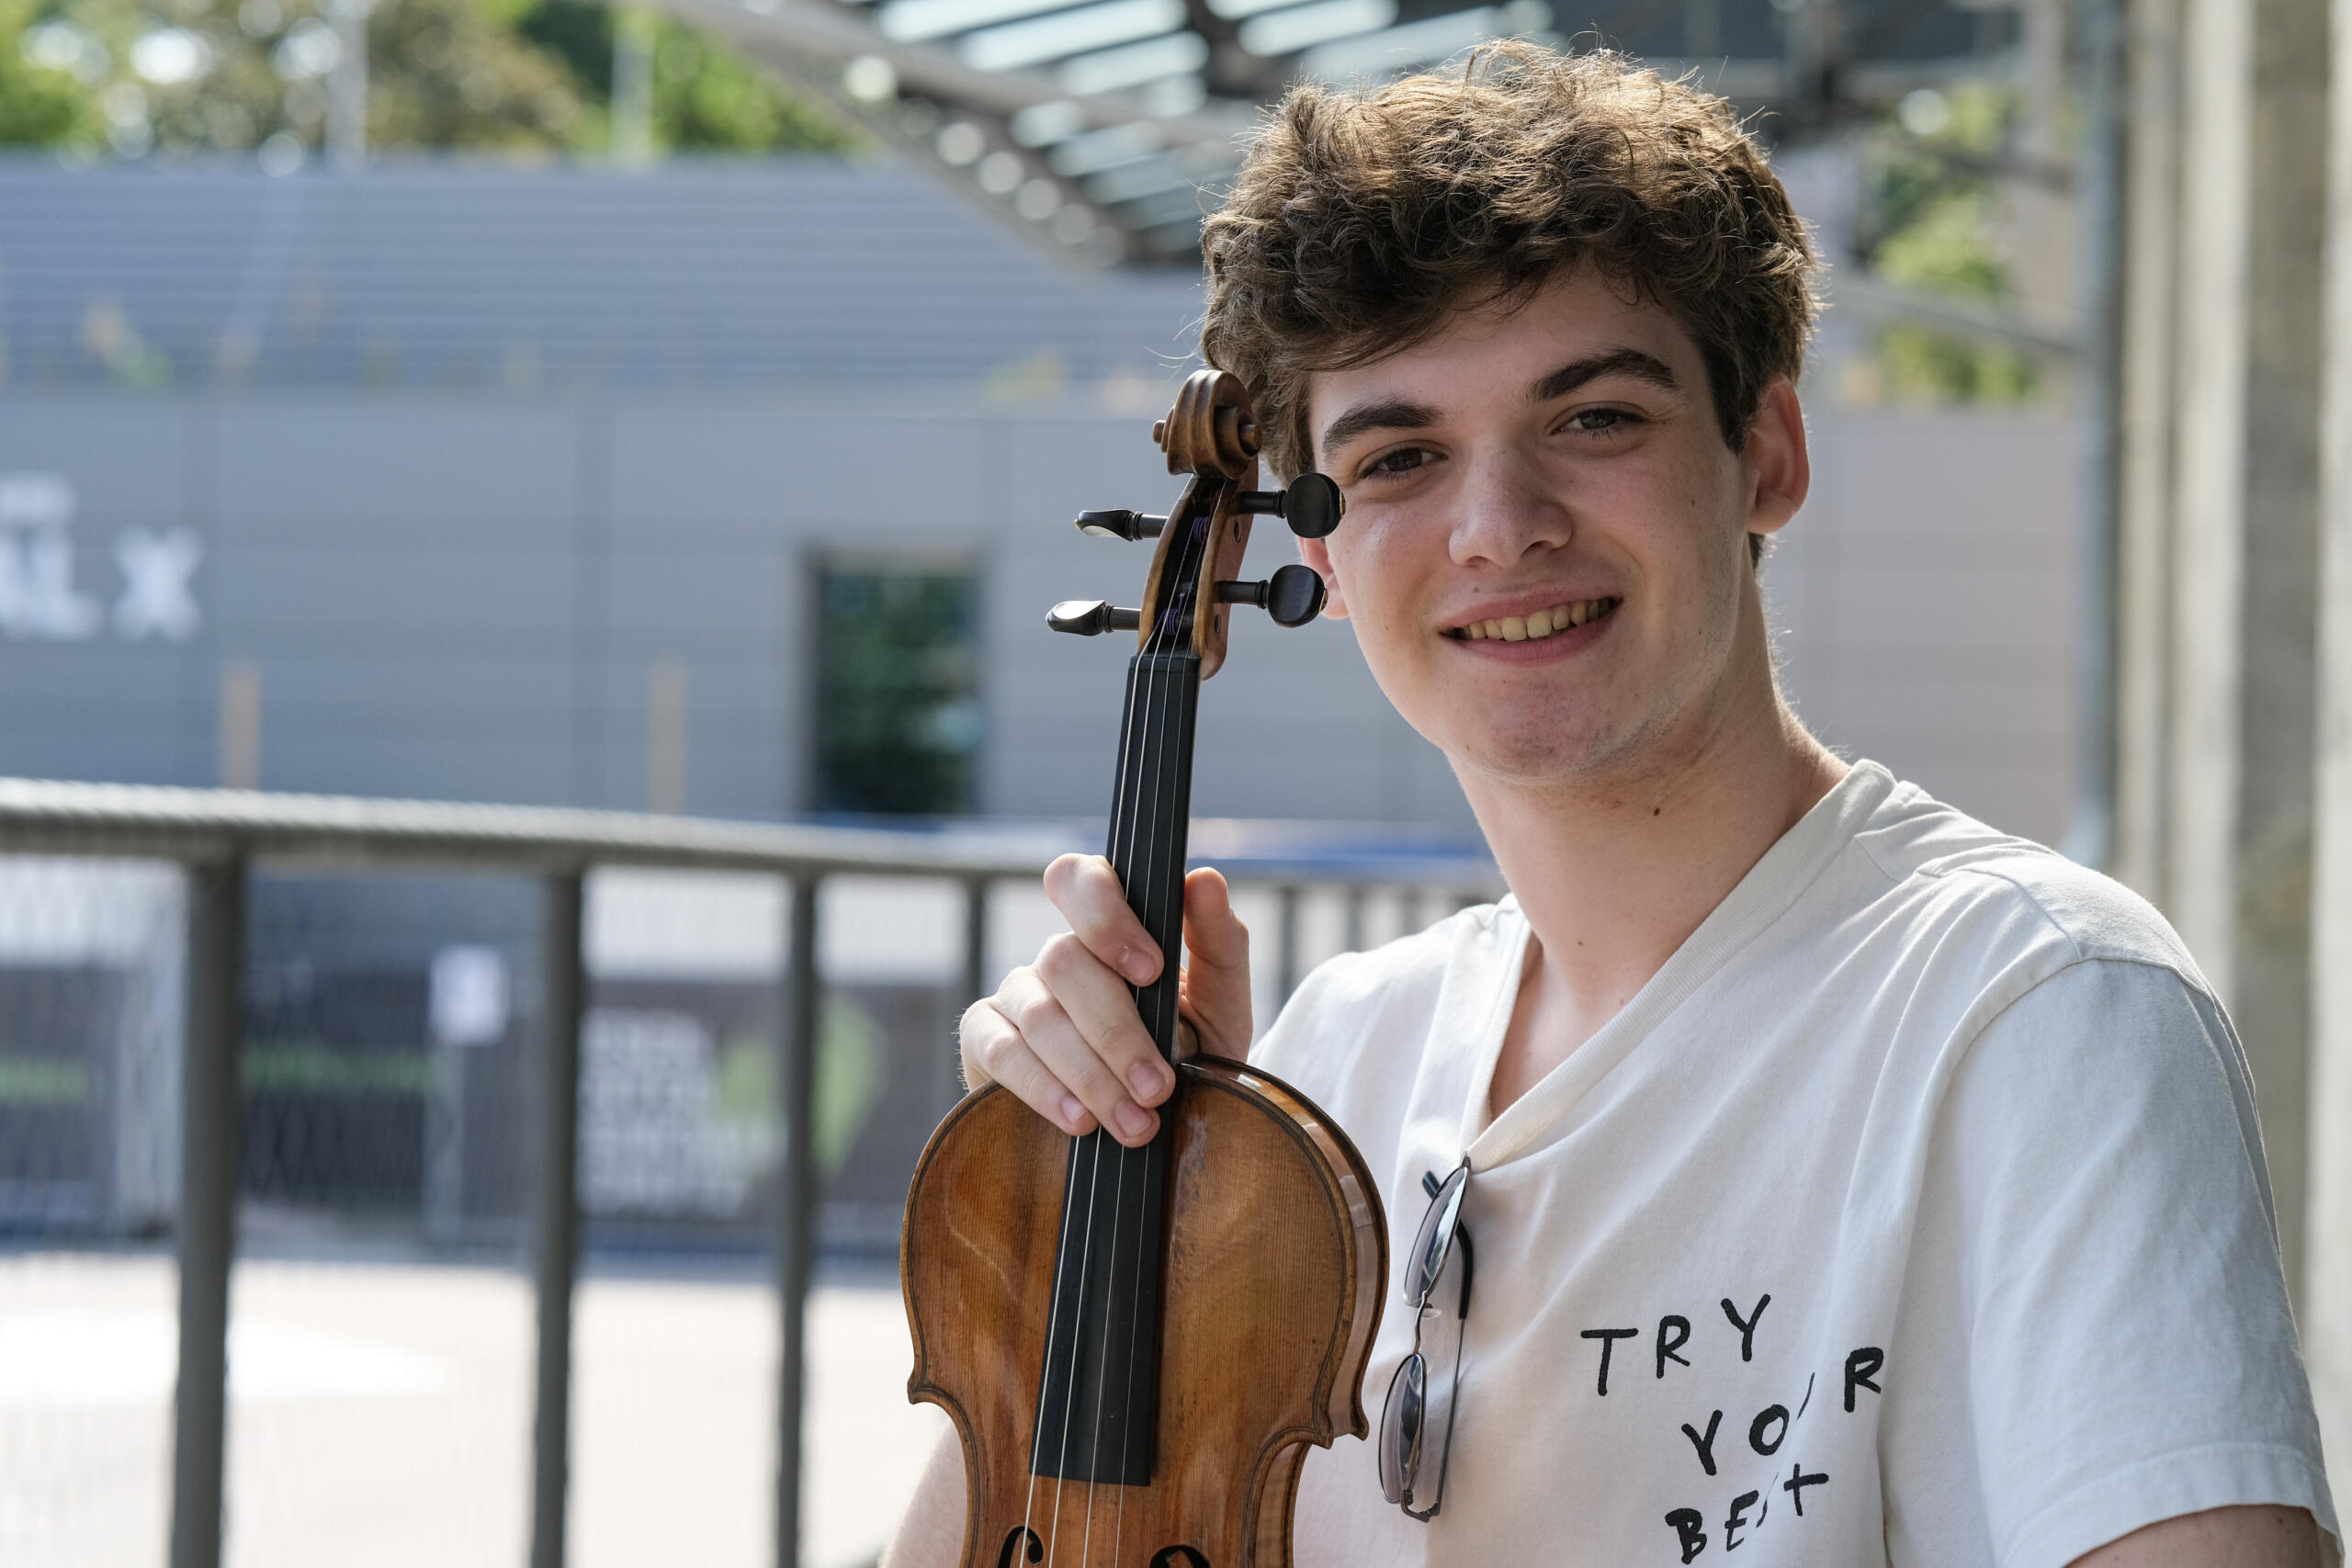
x=1137, y=1345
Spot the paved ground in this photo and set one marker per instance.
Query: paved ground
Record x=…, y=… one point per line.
x=381, y=1417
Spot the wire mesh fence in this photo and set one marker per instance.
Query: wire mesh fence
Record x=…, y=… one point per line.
x=388, y=1343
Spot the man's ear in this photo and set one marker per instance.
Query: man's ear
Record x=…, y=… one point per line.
x=1317, y=555
x=1775, y=464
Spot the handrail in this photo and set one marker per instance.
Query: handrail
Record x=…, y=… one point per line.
x=41, y=817
x=152, y=821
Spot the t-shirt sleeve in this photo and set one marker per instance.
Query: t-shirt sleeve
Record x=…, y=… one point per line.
x=2130, y=1356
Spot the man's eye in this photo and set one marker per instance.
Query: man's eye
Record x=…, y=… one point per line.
x=1599, y=422
x=1403, y=461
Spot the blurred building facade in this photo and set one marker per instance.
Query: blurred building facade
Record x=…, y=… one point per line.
x=558, y=487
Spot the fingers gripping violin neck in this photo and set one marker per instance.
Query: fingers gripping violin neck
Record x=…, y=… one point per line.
x=1137, y=1345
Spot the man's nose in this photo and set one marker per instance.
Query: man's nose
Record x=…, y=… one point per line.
x=1506, y=507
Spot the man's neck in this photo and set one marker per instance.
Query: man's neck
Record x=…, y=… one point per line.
x=1614, y=873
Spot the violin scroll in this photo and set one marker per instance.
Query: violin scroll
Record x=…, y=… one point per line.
x=1211, y=431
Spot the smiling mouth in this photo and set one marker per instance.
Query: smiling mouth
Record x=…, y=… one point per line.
x=1537, y=626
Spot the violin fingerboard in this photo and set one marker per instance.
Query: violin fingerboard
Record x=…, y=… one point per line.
x=1100, y=1389
x=1098, y=1411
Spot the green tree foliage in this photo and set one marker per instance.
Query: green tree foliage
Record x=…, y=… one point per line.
x=40, y=105
x=447, y=73
x=707, y=97
x=508, y=76
x=1932, y=224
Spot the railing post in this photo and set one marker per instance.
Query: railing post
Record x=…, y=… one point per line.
x=212, y=1154
x=795, y=1207
x=976, y=983
x=1286, y=939
x=555, y=1227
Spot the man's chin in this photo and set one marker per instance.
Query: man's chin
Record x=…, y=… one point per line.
x=1556, y=759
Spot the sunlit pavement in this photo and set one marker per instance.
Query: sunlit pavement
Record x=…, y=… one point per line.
x=381, y=1415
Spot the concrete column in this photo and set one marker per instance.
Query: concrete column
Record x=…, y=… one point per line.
x=2278, y=583
x=2327, y=1274
x=2219, y=560
x=2143, y=662
x=2209, y=481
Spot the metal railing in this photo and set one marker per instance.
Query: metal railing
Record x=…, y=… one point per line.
x=217, y=836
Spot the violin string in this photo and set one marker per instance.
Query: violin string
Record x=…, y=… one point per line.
x=1103, y=1361
x=1053, y=1319
x=1077, y=1315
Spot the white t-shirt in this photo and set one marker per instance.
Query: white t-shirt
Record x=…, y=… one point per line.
x=1914, y=1213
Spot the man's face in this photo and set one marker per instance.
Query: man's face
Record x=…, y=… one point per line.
x=1546, y=546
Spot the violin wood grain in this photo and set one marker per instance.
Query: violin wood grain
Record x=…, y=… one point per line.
x=1276, y=1261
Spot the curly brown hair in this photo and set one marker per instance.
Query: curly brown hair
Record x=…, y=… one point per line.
x=1360, y=218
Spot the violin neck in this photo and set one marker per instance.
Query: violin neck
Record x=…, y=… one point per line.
x=1151, y=814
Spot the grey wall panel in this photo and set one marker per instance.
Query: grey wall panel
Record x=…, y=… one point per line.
x=351, y=584
x=471, y=688
x=395, y=461
x=718, y=600
x=65, y=744
x=129, y=462
x=794, y=463
x=360, y=759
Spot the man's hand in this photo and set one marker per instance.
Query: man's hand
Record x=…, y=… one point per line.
x=2220, y=1538
x=1063, y=1033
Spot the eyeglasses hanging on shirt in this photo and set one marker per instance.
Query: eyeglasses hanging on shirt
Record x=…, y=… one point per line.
x=1416, y=1430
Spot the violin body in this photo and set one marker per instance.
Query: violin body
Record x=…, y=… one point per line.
x=1275, y=1265
x=1136, y=1345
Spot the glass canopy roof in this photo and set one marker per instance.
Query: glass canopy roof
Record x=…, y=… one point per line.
x=1105, y=129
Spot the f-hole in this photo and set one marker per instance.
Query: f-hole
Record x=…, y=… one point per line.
x=1037, y=1552
x=1178, y=1557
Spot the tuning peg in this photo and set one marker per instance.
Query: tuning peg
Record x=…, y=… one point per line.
x=1293, y=596
x=1312, y=505
x=1091, y=617
x=1121, y=525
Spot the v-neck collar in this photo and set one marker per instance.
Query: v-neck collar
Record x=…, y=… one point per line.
x=1772, y=884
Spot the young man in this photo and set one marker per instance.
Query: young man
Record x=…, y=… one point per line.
x=1850, y=1183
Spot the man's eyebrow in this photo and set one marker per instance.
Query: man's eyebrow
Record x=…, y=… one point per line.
x=1619, y=361
x=1397, y=413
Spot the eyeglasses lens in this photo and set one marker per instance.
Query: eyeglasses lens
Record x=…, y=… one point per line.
x=1400, y=1429
x=1435, y=1240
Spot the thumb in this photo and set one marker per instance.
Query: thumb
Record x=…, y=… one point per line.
x=1217, y=966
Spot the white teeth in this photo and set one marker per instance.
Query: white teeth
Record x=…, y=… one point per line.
x=1536, y=626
